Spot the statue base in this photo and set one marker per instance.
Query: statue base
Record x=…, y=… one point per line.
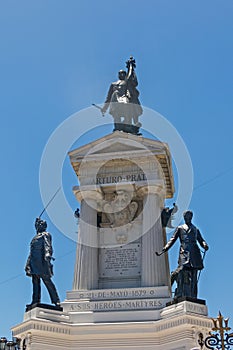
x=43, y=306
x=132, y=129
x=180, y=299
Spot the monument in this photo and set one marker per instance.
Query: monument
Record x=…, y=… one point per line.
x=121, y=296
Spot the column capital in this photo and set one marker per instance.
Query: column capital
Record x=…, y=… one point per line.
x=85, y=193
x=155, y=188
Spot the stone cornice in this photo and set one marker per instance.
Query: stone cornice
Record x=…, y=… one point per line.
x=153, y=331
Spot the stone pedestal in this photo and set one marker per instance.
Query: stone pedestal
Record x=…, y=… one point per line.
x=100, y=326
x=124, y=180
x=121, y=288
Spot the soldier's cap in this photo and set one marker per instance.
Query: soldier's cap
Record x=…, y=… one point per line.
x=39, y=221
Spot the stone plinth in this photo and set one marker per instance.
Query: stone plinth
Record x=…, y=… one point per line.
x=125, y=304
x=175, y=327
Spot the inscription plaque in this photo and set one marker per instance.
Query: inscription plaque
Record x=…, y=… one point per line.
x=103, y=179
x=137, y=304
x=121, y=261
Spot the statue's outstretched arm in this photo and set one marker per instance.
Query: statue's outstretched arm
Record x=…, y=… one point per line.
x=170, y=243
x=131, y=76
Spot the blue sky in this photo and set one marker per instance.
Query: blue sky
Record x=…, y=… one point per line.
x=58, y=57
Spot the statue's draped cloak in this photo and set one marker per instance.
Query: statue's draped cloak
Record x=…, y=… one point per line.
x=123, y=98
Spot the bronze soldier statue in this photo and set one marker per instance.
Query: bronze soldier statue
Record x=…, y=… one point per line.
x=190, y=259
x=39, y=265
x=123, y=102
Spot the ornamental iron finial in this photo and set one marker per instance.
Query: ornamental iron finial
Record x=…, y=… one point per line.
x=219, y=338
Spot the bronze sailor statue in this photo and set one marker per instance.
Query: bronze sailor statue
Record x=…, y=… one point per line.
x=39, y=266
x=190, y=259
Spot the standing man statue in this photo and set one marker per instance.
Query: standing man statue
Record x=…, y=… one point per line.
x=190, y=259
x=39, y=265
x=122, y=100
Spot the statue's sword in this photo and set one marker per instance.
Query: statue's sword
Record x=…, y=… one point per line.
x=50, y=201
x=98, y=107
x=203, y=258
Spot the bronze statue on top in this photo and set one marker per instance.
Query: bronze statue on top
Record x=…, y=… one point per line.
x=123, y=102
x=190, y=259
